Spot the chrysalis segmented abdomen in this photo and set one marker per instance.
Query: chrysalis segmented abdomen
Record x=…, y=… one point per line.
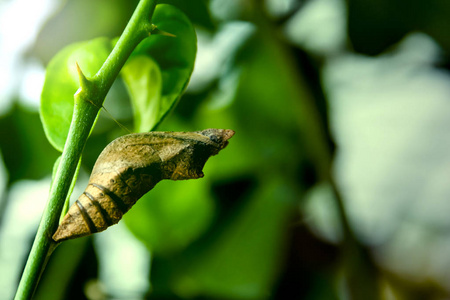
x=103, y=203
x=101, y=208
x=132, y=165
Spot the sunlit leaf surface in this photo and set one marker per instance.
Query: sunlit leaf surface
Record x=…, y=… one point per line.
x=61, y=83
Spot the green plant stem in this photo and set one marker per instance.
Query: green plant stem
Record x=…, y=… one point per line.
x=88, y=102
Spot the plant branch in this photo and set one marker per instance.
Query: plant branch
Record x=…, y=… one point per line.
x=88, y=101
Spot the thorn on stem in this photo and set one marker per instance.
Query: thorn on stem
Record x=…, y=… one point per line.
x=84, y=82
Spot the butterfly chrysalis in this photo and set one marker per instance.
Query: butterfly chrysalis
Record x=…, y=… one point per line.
x=132, y=165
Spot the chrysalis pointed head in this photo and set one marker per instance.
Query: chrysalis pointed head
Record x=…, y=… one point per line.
x=219, y=137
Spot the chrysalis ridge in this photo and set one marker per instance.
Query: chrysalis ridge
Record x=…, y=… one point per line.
x=132, y=165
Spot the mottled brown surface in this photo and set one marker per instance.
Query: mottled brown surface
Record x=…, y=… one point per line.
x=132, y=165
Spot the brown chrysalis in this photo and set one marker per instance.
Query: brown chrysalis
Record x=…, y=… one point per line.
x=132, y=165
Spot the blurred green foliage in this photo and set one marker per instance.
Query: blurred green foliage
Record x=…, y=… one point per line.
x=25, y=151
x=375, y=25
x=238, y=232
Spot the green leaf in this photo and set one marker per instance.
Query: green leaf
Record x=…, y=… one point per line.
x=23, y=145
x=175, y=57
x=196, y=10
x=142, y=78
x=70, y=254
x=172, y=215
x=242, y=259
x=61, y=83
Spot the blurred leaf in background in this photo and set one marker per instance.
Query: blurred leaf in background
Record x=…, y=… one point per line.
x=74, y=23
x=24, y=153
x=293, y=79
x=376, y=25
